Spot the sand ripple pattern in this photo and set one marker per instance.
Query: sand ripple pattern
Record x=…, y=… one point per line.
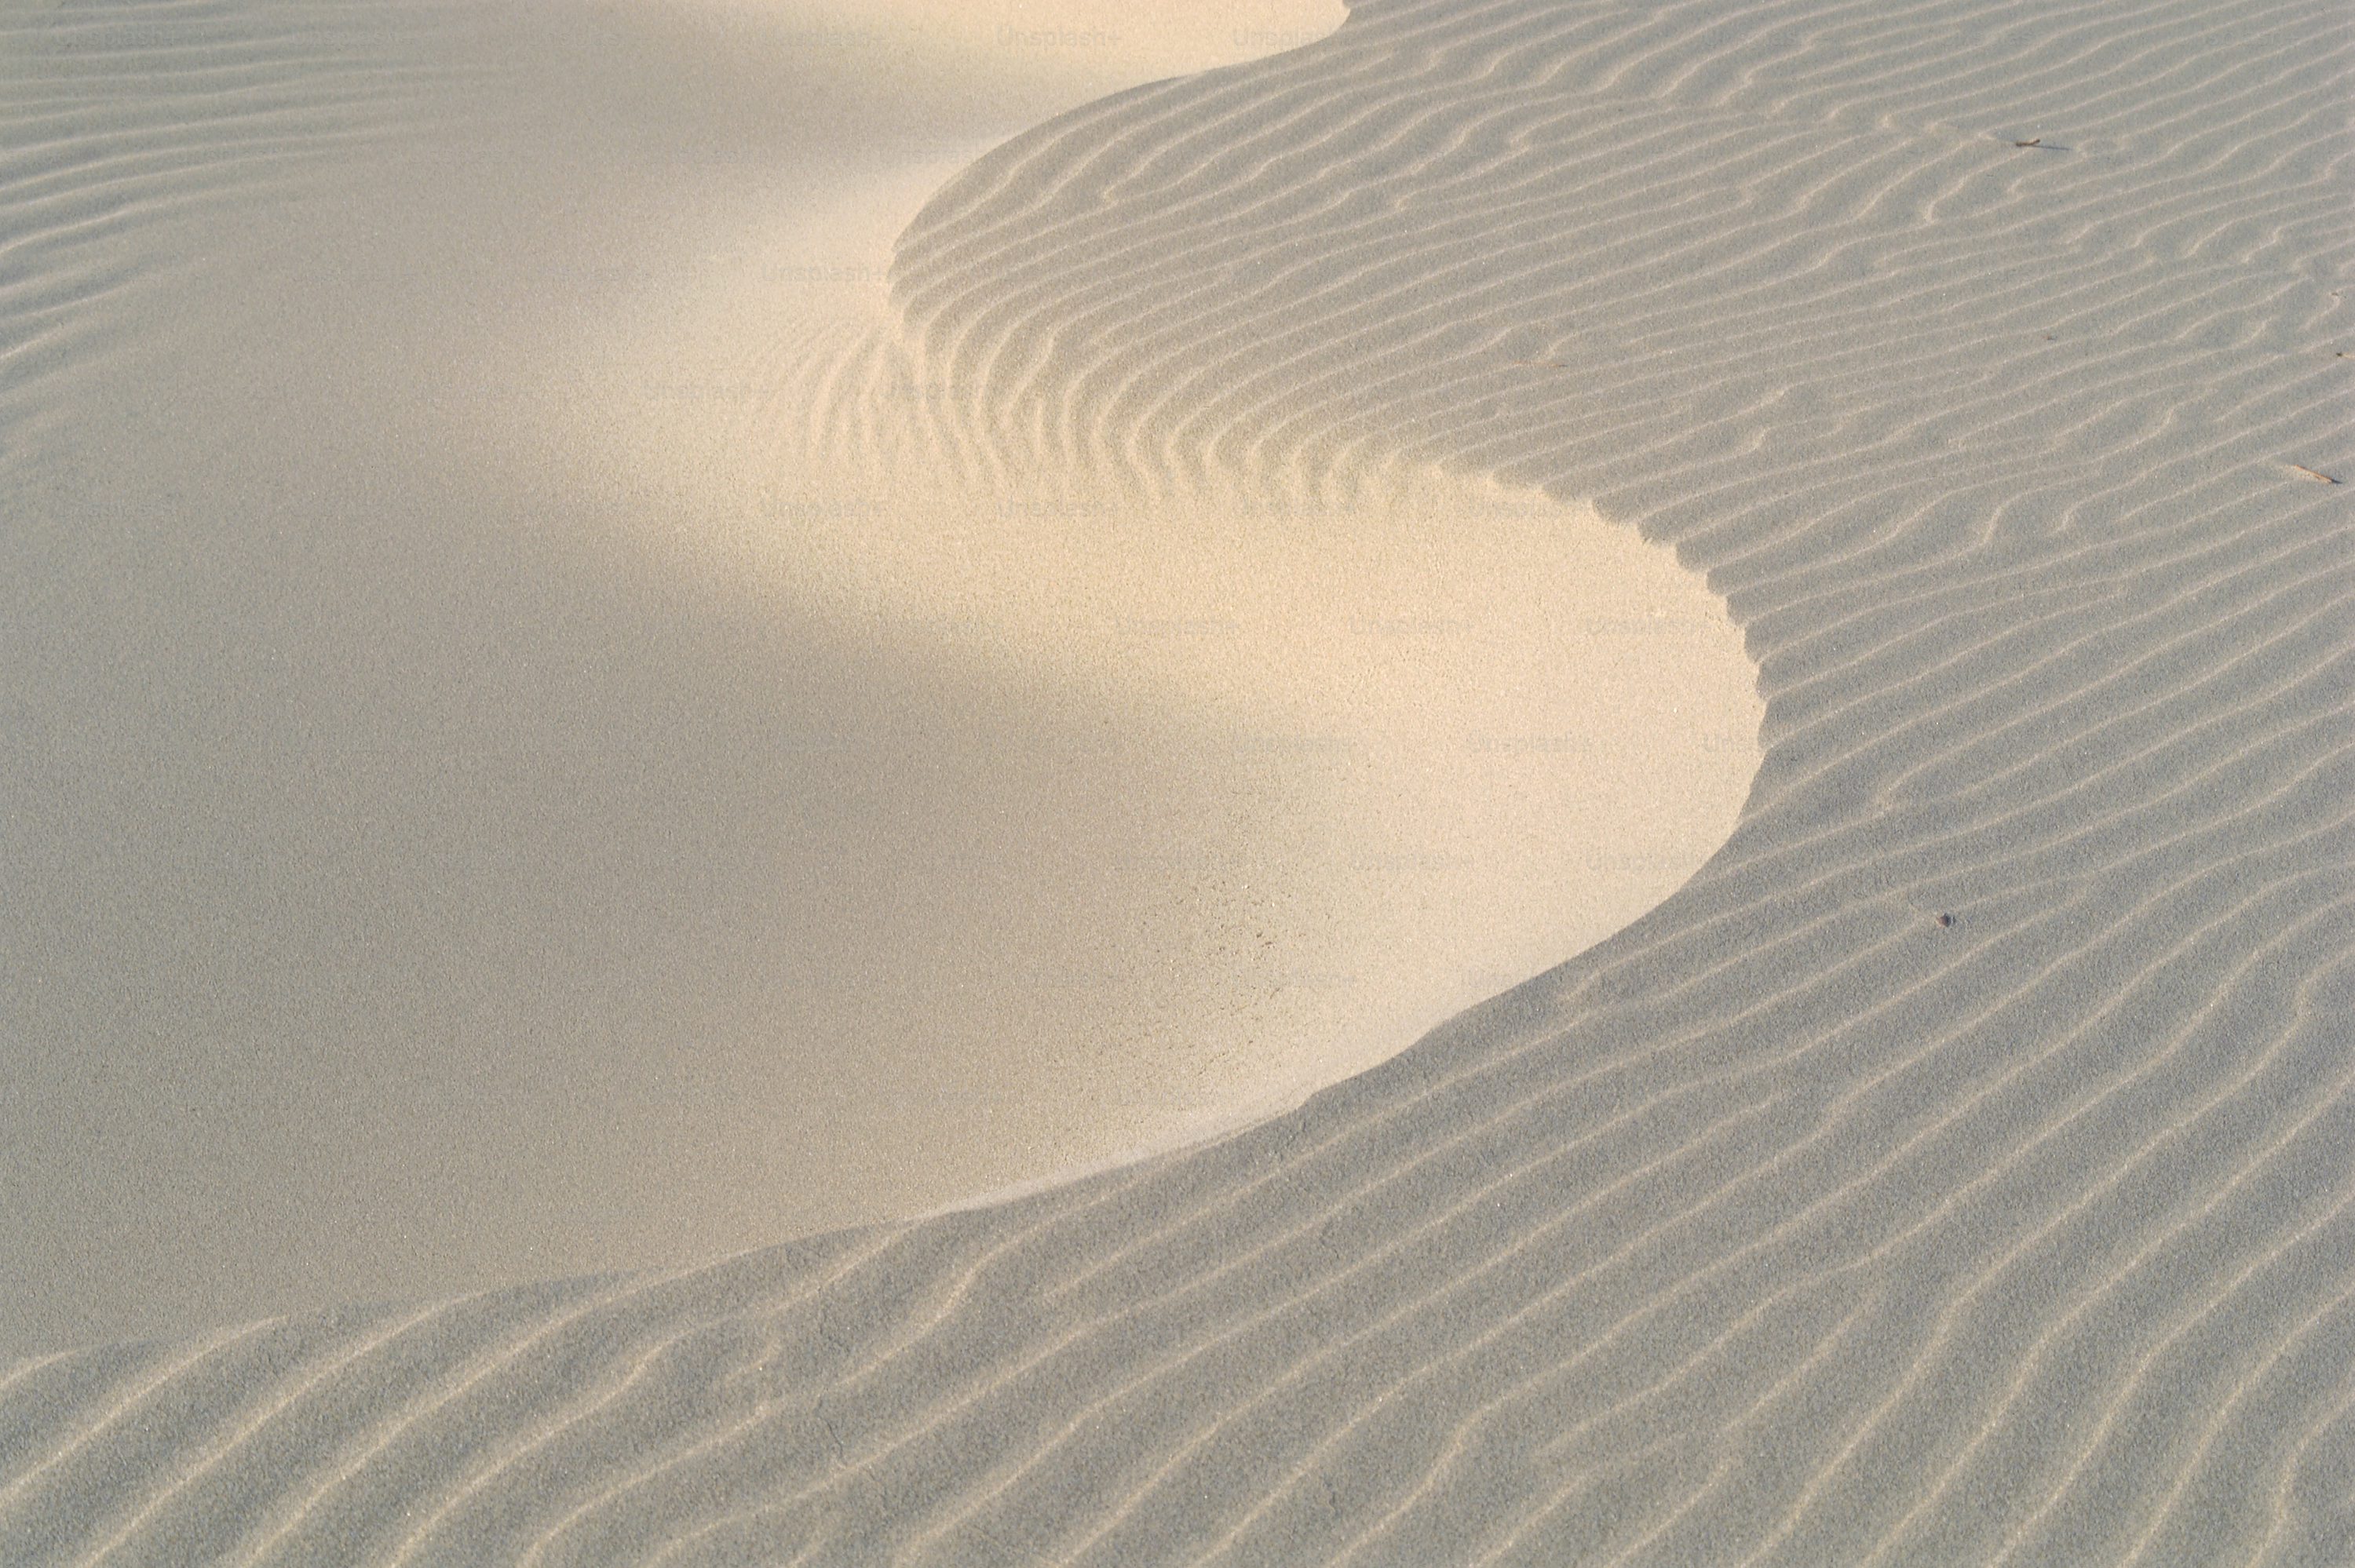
x=1790, y=1226
x=117, y=119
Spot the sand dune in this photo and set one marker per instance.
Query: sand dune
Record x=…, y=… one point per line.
x=529, y=792
x=1956, y=1170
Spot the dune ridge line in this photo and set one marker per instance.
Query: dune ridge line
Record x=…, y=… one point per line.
x=1963, y=348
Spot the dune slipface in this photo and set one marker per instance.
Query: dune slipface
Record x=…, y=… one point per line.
x=1956, y=1169
x=561, y=748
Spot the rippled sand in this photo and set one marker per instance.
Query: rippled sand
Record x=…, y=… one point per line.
x=473, y=692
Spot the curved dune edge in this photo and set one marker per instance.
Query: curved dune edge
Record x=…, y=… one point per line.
x=1789, y=1226
x=582, y=759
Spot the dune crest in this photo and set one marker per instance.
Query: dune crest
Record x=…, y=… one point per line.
x=613, y=767
x=1961, y=1170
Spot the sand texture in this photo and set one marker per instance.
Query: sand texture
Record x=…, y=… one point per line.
x=1958, y=1169
x=555, y=747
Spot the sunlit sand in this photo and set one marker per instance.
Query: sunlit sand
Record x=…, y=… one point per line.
x=606, y=765
x=1494, y=781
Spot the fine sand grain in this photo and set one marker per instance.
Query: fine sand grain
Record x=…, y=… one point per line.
x=1959, y=1167
x=547, y=760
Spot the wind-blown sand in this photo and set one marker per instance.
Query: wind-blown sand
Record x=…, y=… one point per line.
x=1956, y=1169
x=670, y=794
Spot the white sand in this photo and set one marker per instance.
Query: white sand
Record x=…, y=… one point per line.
x=570, y=809
x=1981, y=359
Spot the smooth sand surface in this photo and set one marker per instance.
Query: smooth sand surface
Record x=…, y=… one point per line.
x=1956, y=1168
x=541, y=755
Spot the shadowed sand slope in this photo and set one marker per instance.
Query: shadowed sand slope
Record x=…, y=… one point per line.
x=1958, y=1169
x=539, y=752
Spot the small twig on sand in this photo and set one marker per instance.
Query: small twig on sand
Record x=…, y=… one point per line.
x=2313, y=474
